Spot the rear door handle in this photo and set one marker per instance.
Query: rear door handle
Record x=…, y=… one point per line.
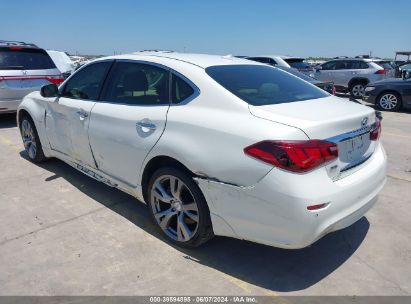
x=146, y=124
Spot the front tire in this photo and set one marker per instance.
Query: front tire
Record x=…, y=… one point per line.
x=31, y=140
x=179, y=208
x=357, y=89
x=389, y=101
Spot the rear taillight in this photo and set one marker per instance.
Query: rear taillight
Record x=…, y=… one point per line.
x=55, y=79
x=294, y=155
x=380, y=72
x=334, y=90
x=376, y=131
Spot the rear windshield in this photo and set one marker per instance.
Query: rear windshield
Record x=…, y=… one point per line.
x=25, y=59
x=263, y=85
x=298, y=63
x=296, y=73
x=385, y=65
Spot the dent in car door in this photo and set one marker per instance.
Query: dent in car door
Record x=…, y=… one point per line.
x=68, y=116
x=130, y=119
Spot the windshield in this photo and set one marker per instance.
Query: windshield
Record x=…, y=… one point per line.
x=25, y=59
x=263, y=85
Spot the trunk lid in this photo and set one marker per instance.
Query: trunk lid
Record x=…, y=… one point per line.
x=346, y=123
x=320, y=118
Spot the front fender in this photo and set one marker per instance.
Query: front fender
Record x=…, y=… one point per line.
x=35, y=105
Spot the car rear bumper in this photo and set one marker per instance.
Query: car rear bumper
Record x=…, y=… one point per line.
x=274, y=211
x=9, y=105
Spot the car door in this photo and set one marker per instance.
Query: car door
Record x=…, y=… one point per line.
x=129, y=119
x=68, y=116
x=324, y=72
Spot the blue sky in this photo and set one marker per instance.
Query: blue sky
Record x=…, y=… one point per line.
x=239, y=27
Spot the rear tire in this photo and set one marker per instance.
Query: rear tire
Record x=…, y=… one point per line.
x=179, y=208
x=31, y=140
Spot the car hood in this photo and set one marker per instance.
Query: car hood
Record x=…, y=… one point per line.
x=320, y=118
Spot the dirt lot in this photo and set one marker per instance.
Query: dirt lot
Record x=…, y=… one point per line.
x=62, y=233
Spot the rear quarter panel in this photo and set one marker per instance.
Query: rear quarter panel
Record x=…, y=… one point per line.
x=209, y=133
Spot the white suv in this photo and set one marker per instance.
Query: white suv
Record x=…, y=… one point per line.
x=351, y=74
x=213, y=145
x=24, y=68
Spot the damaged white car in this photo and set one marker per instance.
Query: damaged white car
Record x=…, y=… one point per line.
x=214, y=145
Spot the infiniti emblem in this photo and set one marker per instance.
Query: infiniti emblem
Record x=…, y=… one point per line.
x=364, y=121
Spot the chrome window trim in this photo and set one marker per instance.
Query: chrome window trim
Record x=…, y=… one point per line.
x=164, y=67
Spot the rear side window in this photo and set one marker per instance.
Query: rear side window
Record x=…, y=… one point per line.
x=356, y=65
x=180, y=90
x=18, y=58
x=137, y=84
x=87, y=82
x=263, y=85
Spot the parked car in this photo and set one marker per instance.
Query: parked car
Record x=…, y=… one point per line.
x=351, y=74
x=326, y=86
x=214, y=145
x=403, y=69
x=300, y=65
x=24, y=68
x=273, y=60
x=388, y=67
x=390, y=94
x=63, y=62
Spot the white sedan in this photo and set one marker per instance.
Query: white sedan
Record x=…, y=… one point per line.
x=214, y=145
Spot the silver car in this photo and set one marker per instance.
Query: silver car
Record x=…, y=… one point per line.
x=24, y=68
x=351, y=74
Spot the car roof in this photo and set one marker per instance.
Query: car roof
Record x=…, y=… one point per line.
x=174, y=58
x=8, y=43
x=357, y=59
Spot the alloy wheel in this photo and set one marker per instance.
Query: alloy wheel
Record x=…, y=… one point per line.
x=358, y=90
x=29, y=138
x=388, y=101
x=174, y=208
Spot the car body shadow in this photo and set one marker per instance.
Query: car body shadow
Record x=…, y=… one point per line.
x=268, y=267
x=8, y=121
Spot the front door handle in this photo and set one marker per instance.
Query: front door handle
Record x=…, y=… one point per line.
x=83, y=114
x=146, y=124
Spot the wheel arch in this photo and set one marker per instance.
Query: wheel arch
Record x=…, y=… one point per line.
x=389, y=90
x=358, y=80
x=156, y=163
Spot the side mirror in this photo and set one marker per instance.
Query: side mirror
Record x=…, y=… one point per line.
x=49, y=90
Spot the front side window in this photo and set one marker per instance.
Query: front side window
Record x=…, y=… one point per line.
x=139, y=84
x=329, y=65
x=87, y=82
x=263, y=85
x=180, y=90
